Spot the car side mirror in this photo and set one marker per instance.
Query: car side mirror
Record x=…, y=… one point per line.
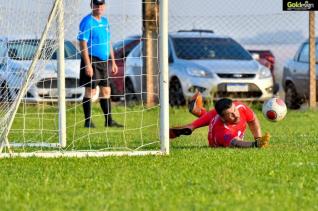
x=170, y=59
x=3, y=60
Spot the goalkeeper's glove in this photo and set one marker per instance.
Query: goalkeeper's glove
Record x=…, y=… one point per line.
x=178, y=131
x=263, y=141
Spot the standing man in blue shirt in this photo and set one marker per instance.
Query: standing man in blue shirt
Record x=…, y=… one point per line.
x=94, y=38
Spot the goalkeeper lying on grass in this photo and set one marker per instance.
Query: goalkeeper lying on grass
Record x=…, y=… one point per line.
x=227, y=124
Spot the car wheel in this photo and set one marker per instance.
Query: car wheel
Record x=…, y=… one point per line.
x=176, y=97
x=114, y=93
x=291, y=98
x=130, y=95
x=5, y=95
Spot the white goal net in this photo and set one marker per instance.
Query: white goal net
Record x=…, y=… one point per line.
x=41, y=101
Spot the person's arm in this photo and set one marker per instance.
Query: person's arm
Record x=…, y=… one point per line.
x=85, y=57
x=242, y=144
x=189, y=128
x=255, y=128
x=112, y=57
x=181, y=130
x=260, y=142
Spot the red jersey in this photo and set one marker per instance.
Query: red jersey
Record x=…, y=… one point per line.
x=221, y=134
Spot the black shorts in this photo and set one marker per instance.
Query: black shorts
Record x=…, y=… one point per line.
x=100, y=74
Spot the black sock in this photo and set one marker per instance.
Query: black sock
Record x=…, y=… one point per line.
x=87, y=109
x=105, y=104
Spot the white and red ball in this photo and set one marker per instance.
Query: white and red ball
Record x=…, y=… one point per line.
x=274, y=109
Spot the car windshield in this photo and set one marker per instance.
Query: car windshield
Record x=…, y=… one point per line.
x=122, y=43
x=209, y=48
x=124, y=47
x=26, y=49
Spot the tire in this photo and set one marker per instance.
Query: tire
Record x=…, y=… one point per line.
x=114, y=94
x=130, y=95
x=291, y=97
x=176, y=97
x=5, y=95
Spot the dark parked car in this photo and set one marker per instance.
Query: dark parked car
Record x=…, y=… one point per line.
x=121, y=50
x=296, y=77
x=266, y=58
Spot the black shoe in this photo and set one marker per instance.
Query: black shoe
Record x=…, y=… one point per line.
x=113, y=123
x=89, y=124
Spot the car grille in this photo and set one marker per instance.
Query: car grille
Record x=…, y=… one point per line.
x=51, y=83
x=253, y=92
x=235, y=75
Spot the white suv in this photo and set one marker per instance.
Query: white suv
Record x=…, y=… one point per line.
x=217, y=66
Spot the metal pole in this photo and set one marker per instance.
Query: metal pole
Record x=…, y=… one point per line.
x=312, y=60
x=164, y=76
x=61, y=76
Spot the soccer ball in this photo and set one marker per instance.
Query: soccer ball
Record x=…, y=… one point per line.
x=274, y=109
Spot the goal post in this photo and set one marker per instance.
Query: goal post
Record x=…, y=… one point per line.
x=164, y=79
x=44, y=116
x=61, y=76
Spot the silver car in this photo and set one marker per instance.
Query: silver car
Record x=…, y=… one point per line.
x=217, y=66
x=17, y=59
x=296, y=77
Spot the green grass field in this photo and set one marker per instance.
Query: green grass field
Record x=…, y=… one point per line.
x=192, y=177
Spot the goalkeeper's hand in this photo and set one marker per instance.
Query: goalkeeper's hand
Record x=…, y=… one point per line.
x=178, y=131
x=263, y=141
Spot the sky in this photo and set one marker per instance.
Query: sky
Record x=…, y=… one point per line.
x=198, y=7
x=236, y=18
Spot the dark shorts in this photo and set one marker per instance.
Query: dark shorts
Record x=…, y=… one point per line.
x=100, y=74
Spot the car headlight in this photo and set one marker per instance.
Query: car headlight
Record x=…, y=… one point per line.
x=265, y=73
x=199, y=72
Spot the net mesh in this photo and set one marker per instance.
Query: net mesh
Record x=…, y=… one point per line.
x=36, y=123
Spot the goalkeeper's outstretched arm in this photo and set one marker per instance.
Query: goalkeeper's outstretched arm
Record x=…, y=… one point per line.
x=260, y=142
x=202, y=121
x=242, y=144
x=181, y=130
